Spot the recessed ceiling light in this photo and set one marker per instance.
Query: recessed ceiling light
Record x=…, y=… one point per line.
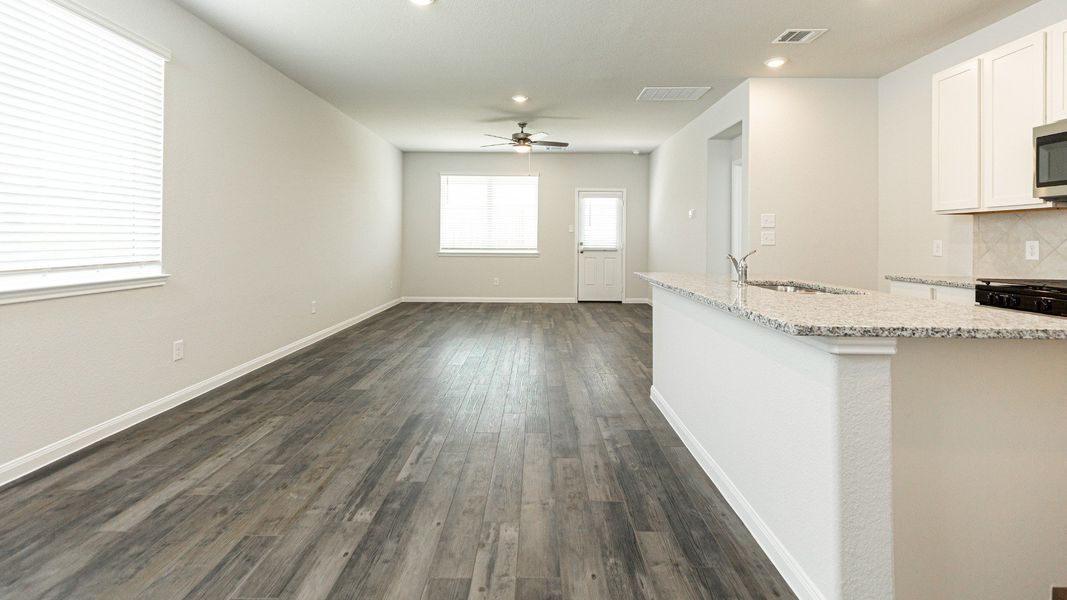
x=520, y=98
x=775, y=63
x=637, y=152
x=422, y=2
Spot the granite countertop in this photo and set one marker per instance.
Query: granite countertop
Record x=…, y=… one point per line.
x=959, y=281
x=858, y=313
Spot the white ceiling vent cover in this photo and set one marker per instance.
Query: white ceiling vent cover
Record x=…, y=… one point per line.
x=799, y=36
x=672, y=94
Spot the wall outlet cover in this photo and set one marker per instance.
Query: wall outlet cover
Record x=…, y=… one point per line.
x=1033, y=250
x=938, y=248
x=766, y=238
x=692, y=213
x=767, y=220
x=178, y=351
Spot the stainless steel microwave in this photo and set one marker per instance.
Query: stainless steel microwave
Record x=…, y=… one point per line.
x=1050, y=161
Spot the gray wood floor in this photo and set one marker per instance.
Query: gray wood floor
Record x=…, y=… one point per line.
x=436, y=451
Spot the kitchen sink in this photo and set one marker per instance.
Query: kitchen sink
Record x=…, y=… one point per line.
x=797, y=288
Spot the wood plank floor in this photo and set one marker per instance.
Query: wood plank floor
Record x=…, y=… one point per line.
x=436, y=451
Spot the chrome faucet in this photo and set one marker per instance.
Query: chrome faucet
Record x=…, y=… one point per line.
x=741, y=266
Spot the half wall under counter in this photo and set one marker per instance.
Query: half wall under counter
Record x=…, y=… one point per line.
x=876, y=446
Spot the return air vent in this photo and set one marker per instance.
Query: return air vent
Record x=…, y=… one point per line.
x=672, y=94
x=799, y=36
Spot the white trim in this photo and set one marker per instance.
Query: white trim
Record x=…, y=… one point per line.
x=489, y=253
x=42, y=457
x=577, y=224
x=794, y=574
x=647, y=301
x=489, y=299
x=114, y=27
x=81, y=289
x=855, y=346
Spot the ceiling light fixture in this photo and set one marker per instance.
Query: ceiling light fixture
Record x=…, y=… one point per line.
x=775, y=63
x=520, y=98
x=422, y=2
x=522, y=148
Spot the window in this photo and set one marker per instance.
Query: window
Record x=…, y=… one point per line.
x=601, y=225
x=81, y=154
x=488, y=214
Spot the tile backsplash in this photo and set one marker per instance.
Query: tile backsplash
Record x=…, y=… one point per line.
x=1000, y=244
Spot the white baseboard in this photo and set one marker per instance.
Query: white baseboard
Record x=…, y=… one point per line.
x=794, y=574
x=42, y=457
x=647, y=301
x=489, y=299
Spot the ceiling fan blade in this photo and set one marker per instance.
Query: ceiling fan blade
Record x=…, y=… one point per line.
x=552, y=144
x=538, y=136
x=500, y=144
x=500, y=137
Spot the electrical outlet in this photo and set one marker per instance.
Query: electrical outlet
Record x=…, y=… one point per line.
x=938, y=248
x=392, y=283
x=496, y=281
x=767, y=220
x=1033, y=250
x=766, y=238
x=314, y=307
x=178, y=350
x=692, y=213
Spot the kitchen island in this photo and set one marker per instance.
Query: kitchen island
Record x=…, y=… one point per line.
x=876, y=446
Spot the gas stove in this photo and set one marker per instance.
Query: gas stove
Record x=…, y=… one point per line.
x=1045, y=296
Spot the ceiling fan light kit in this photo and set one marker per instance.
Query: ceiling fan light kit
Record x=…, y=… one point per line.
x=524, y=142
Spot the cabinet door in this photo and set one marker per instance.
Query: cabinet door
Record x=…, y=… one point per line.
x=1057, y=72
x=956, y=135
x=1013, y=103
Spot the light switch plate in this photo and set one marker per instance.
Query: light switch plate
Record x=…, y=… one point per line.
x=939, y=248
x=767, y=220
x=692, y=213
x=1033, y=250
x=766, y=238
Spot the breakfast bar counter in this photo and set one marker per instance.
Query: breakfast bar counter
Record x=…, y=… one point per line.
x=876, y=446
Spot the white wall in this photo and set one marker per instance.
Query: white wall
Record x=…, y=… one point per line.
x=272, y=199
x=812, y=161
x=679, y=183
x=550, y=275
x=809, y=147
x=907, y=224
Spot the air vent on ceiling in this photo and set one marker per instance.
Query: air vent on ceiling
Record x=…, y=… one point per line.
x=799, y=36
x=672, y=94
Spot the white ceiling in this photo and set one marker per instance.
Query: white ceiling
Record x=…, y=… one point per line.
x=436, y=78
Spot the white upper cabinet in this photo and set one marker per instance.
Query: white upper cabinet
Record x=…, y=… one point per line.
x=956, y=138
x=1057, y=72
x=1013, y=103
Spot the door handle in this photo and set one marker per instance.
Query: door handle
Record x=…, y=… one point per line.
x=581, y=248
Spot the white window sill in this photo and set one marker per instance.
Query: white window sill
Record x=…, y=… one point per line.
x=14, y=296
x=531, y=254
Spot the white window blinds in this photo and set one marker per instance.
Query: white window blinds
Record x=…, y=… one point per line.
x=81, y=149
x=489, y=213
x=601, y=225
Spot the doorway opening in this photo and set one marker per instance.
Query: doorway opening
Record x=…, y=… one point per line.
x=600, y=248
x=726, y=208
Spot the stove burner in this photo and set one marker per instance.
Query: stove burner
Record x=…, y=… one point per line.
x=1046, y=296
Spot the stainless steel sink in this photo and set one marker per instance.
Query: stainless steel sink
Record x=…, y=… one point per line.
x=795, y=288
x=792, y=289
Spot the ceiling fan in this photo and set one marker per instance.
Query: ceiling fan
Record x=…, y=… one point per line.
x=524, y=142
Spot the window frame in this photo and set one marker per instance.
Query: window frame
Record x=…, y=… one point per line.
x=60, y=282
x=488, y=252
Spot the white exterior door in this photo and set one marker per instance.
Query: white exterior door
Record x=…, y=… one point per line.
x=600, y=246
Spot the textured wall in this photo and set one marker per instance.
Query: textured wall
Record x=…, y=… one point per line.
x=1000, y=244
